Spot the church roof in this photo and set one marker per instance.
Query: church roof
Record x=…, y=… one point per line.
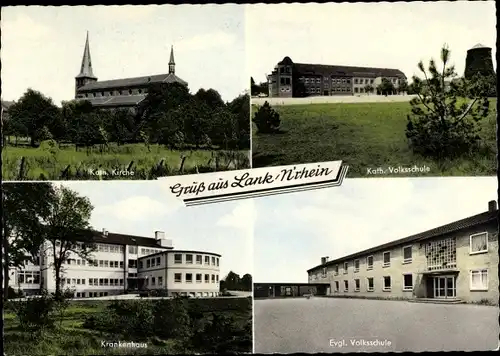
x=132, y=82
x=116, y=101
x=86, y=68
x=171, y=61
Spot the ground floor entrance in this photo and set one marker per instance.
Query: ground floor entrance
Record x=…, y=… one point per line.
x=444, y=287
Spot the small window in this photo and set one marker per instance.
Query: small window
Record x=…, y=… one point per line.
x=479, y=280
x=336, y=270
x=356, y=266
x=189, y=278
x=369, y=286
x=407, y=254
x=408, y=282
x=324, y=272
x=178, y=277
x=479, y=243
x=207, y=260
x=189, y=259
x=337, y=286
x=387, y=283
x=346, y=267
x=387, y=259
x=207, y=278
x=199, y=259
x=346, y=286
x=198, y=278
x=356, y=285
x=369, y=263
x=178, y=258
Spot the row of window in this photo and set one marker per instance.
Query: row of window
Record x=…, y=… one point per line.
x=99, y=263
x=189, y=258
x=32, y=277
x=91, y=294
x=115, y=282
x=189, y=278
x=114, y=93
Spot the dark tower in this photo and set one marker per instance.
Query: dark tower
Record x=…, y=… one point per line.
x=86, y=75
x=479, y=61
x=171, y=62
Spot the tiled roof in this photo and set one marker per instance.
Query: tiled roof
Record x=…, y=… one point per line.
x=116, y=101
x=327, y=70
x=476, y=220
x=132, y=82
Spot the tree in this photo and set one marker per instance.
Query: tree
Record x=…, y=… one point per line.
x=232, y=281
x=266, y=119
x=240, y=108
x=444, y=122
x=210, y=97
x=246, y=282
x=368, y=88
x=67, y=229
x=23, y=207
x=403, y=86
x=254, y=89
x=386, y=87
x=34, y=111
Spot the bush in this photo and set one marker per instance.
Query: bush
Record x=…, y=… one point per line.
x=267, y=119
x=171, y=319
x=36, y=312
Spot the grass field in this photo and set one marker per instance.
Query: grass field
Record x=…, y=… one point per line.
x=47, y=162
x=363, y=135
x=71, y=337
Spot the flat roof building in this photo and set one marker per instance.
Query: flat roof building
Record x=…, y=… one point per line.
x=456, y=262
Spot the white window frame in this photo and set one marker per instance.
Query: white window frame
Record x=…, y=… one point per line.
x=337, y=286
x=368, y=266
x=323, y=272
x=386, y=264
x=368, y=289
x=480, y=271
x=405, y=288
x=356, y=288
x=346, y=269
x=356, y=269
x=346, y=289
x=336, y=270
x=177, y=280
x=384, y=288
x=470, y=243
x=407, y=260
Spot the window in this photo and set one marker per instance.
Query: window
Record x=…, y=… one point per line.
x=148, y=263
x=189, y=259
x=217, y=260
x=207, y=278
x=158, y=261
x=101, y=263
x=153, y=281
x=348, y=81
x=336, y=270
x=207, y=260
x=217, y=278
x=355, y=81
x=199, y=259
x=189, y=278
x=121, y=282
x=177, y=258
x=356, y=90
x=479, y=243
x=346, y=266
x=479, y=280
x=356, y=265
x=369, y=286
x=198, y=278
x=407, y=254
x=346, y=286
x=213, y=278
x=408, y=282
x=356, y=285
x=121, y=264
x=369, y=263
x=323, y=274
x=337, y=287
x=213, y=261
x=178, y=277
x=387, y=283
x=387, y=259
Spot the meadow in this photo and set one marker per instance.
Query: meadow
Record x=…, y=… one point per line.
x=364, y=136
x=84, y=325
x=52, y=161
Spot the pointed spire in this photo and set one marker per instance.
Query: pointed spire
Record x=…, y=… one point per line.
x=86, y=68
x=171, y=62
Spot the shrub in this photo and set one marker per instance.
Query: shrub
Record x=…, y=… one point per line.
x=267, y=119
x=171, y=319
x=35, y=312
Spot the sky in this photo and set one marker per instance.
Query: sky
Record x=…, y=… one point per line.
x=141, y=208
x=383, y=35
x=42, y=47
x=293, y=231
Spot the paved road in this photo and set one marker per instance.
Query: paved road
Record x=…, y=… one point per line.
x=337, y=325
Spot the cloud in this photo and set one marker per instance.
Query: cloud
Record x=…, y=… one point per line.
x=138, y=208
x=24, y=28
x=241, y=217
x=206, y=41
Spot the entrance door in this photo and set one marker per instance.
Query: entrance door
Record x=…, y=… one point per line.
x=444, y=287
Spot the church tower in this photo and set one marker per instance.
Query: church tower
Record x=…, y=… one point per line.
x=86, y=75
x=171, y=62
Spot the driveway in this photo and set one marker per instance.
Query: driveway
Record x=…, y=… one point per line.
x=360, y=325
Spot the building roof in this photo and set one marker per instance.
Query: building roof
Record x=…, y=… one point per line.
x=116, y=101
x=171, y=61
x=182, y=251
x=327, y=70
x=132, y=82
x=479, y=45
x=86, y=68
x=476, y=220
x=122, y=239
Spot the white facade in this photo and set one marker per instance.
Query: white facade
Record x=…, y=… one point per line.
x=112, y=268
x=185, y=273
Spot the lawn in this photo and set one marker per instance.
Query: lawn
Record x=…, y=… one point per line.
x=72, y=337
x=363, y=135
x=51, y=163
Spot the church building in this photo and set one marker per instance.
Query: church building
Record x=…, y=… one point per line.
x=118, y=93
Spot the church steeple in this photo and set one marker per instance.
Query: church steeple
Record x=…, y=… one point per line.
x=171, y=62
x=86, y=74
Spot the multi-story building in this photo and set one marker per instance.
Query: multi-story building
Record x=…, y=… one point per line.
x=184, y=273
x=289, y=79
x=118, y=263
x=454, y=262
x=118, y=93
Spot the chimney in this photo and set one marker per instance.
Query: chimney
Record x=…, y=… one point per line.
x=492, y=205
x=159, y=235
x=104, y=232
x=324, y=260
